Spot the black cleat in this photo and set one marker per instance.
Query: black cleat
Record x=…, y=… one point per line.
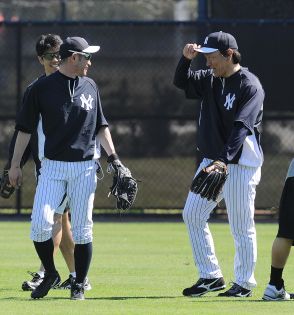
x=31, y=285
x=50, y=281
x=203, y=286
x=236, y=291
x=77, y=291
x=66, y=285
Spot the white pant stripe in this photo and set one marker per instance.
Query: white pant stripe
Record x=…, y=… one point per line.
x=75, y=179
x=239, y=194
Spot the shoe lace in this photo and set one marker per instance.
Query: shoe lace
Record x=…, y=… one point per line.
x=235, y=286
x=78, y=288
x=66, y=282
x=35, y=276
x=200, y=281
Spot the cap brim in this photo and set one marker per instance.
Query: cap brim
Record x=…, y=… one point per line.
x=206, y=50
x=91, y=49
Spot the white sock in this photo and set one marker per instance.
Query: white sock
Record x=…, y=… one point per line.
x=73, y=274
x=41, y=273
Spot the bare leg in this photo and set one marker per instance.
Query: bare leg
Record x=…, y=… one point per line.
x=280, y=251
x=57, y=231
x=67, y=244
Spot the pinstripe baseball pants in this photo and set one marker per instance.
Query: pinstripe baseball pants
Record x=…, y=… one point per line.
x=239, y=195
x=78, y=181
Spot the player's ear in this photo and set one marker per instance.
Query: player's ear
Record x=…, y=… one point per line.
x=74, y=57
x=41, y=60
x=228, y=53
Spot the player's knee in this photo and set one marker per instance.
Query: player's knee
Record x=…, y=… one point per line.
x=40, y=233
x=57, y=225
x=196, y=210
x=82, y=235
x=188, y=215
x=193, y=216
x=62, y=246
x=65, y=215
x=41, y=227
x=57, y=218
x=244, y=231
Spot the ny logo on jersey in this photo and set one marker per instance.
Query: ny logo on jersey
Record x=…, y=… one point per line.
x=86, y=103
x=229, y=101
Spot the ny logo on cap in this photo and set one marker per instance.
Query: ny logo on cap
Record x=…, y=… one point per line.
x=86, y=103
x=206, y=40
x=229, y=101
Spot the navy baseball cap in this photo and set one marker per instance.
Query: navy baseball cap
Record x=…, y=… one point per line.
x=218, y=41
x=76, y=44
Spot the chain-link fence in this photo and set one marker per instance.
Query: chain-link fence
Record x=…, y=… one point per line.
x=250, y=9
x=98, y=10
x=153, y=126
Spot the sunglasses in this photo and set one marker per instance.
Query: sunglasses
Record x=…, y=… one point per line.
x=86, y=55
x=51, y=56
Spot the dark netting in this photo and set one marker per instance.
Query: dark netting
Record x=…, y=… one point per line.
x=153, y=126
x=98, y=10
x=250, y=9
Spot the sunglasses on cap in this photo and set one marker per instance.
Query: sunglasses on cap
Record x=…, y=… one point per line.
x=51, y=56
x=86, y=55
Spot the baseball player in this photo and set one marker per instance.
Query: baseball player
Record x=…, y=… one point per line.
x=275, y=290
x=47, y=48
x=74, y=125
x=231, y=111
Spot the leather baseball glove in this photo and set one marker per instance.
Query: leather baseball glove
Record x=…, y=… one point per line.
x=124, y=187
x=209, y=182
x=6, y=190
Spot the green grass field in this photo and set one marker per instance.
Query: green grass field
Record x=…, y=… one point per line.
x=137, y=268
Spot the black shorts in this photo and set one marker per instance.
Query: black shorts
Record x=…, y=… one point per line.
x=286, y=210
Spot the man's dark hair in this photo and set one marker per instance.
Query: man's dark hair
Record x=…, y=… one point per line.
x=46, y=42
x=236, y=56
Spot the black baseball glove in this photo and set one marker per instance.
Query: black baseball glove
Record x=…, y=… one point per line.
x=124, y=187
x=208, y=184
x=6, y=190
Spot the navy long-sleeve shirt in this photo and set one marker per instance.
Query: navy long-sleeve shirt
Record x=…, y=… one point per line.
x=71, y=115
x=231, y=110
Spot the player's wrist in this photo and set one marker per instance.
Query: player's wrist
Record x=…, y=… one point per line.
x=7, y=165
x=220, y=166
x=15, y=165
x=187, y=58
x=112, y=157
x=223, y=160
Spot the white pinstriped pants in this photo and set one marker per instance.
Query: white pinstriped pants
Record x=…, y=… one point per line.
x=78, y=181
x=239, y=194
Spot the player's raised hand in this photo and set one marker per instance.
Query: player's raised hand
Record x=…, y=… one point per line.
x=15, y=176
x=190, y=51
